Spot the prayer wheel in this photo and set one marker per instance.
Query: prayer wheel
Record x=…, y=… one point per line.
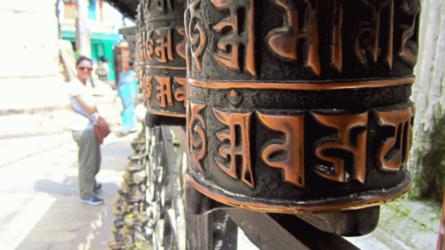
x=161, y=59
x=300, y=106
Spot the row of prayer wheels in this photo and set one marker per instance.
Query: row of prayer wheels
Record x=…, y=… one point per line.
x=290, y=106
x=131, y=220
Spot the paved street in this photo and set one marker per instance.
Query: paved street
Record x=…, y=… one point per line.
x=41, y=209
x=39, y=193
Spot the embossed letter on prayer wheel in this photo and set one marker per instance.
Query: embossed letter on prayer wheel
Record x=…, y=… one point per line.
x=299, y=106
x=161, y=57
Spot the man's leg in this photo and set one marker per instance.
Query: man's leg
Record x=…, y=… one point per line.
x=97, y=165
x=88, y=158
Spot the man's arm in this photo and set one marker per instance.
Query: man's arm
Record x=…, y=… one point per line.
x=87, y=106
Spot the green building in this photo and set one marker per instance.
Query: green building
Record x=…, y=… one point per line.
x=103, y=23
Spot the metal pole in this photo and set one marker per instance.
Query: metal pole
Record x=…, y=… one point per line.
x=82, y=31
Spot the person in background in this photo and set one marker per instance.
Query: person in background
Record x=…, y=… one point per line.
x=127, y=90
x=102, y=69
x=85, y=115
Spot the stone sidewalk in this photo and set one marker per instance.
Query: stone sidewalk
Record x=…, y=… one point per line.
x=403, y=225
x=40, y=205
x=41, y=209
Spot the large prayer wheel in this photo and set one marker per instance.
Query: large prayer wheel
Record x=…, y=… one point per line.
x=161, y=57
x=300, y=106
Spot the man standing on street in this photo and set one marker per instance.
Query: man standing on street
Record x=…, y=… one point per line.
x=85, y=115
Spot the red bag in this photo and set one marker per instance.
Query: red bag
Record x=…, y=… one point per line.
x=101, y=129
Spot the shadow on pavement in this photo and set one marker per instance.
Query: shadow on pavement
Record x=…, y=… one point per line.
x=71, y=225
x=69, y=187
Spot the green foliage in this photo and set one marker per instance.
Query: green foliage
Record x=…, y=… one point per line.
x=139, y=245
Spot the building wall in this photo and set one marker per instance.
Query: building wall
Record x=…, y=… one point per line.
x=29, y=58
x=28, y=45
x=104, y=22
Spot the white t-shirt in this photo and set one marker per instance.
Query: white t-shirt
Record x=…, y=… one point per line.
x=80, y=120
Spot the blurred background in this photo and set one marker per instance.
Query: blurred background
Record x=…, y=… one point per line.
x=40, y=41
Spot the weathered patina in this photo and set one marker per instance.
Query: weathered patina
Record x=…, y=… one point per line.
x=300, y=106
x=161, y=58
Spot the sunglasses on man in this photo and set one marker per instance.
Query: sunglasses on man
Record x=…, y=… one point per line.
x=85, y=68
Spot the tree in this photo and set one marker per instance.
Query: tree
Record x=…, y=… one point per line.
x=428, y=153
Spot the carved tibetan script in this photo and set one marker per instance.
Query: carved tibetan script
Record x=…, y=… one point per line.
x=336, y=36
x=408, y=42
x=180, y=47
x=348, y=144
x=284, y=40
x=341, y=153
x=234, y=151
x=236, y=48
x=179, y=91
x=373, y=37
x=163, y=49
x=395, y=149
x=195, y=33
x=159, y=45
x=369, y=39
x=146, y=87
x=197, y=140
x=292, y=163
x=164, y=91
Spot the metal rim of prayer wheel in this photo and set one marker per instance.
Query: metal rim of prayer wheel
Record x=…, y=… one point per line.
x=300, y=106
x=161, y=58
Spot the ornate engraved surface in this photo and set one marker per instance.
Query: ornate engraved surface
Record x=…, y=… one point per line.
x=146, y=87
x=372, y=31
x=284, y=40
x=408, y=43
x=161, y=56
x=302, y=39
x=306, y=101
x=195, y=32
x=235, y=146
x=292, y=163
x=395, y=149
x=164, y=92
x=346, y=140
x=196, y=137
x=237, y=35
x=179, y=91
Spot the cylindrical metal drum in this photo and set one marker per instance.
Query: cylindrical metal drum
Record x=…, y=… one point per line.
x=300, y=105
x=161, y=57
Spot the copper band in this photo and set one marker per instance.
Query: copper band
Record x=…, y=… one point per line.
x=165, y=67
x=176, y=115
x=318, y=86
x=339, y=204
